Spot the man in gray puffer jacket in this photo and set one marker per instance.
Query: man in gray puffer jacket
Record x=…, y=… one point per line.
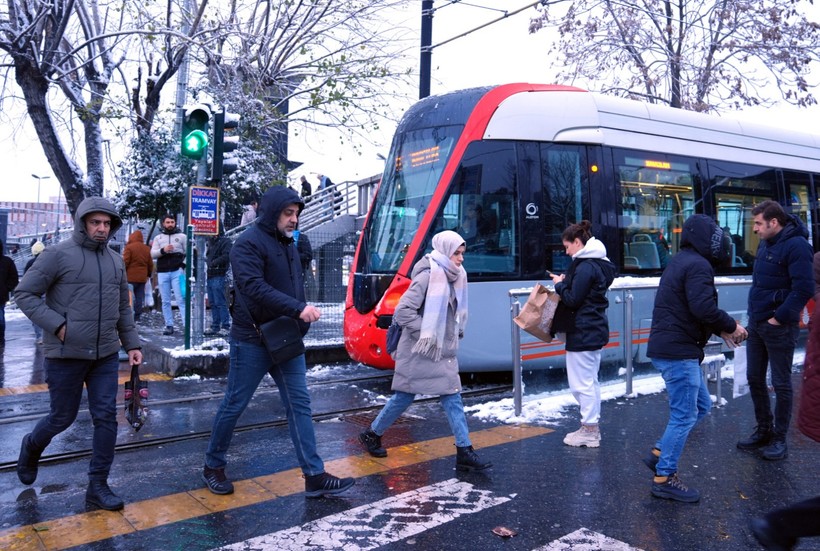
x=77, y=291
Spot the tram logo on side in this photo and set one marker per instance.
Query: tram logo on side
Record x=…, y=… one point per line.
x=532, y=210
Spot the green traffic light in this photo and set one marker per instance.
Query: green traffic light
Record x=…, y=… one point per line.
x=195, y=144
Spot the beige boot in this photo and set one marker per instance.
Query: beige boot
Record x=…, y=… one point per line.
x=587, y=436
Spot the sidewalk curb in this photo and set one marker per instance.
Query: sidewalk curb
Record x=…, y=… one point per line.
x=210, y=364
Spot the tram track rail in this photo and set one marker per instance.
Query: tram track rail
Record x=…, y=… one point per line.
x=198, y=398
x=276, y=423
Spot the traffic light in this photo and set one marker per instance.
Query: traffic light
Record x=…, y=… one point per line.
x=224, y=161
x=195, y=131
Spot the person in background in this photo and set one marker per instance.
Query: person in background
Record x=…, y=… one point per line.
x=249, y=214
x=684, y=317
x=781, y=528
x=433, y=316
x=8, y=281
x=781, y=285
x=305, y=258
x=168, y=248
x=583, y=292
x=139, y=266
x=306, y=189
x=218, y=261
x=36, y=249
x=268, y=285
x=77, y=291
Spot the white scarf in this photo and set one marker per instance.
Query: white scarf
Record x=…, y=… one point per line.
x=444, y=276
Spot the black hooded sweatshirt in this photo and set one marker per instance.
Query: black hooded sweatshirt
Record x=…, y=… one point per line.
x=686, y=311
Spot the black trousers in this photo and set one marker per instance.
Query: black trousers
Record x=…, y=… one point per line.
x=798, y=520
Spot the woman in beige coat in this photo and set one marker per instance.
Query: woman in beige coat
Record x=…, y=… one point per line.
x=432, y=314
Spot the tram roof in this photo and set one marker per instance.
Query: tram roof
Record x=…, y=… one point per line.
x=560, y=114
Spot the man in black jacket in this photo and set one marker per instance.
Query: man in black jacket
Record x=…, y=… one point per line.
x=268, y=284
x=782, y=283
x=685, y=315
x=8, y=281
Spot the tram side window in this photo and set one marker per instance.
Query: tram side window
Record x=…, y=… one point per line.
x=565, y=185
x=481, y=208
x=657, y=195
x=737, y=189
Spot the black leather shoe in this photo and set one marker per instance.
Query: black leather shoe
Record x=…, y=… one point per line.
x=28, y=461
x=759, y=438
x=373, y=443
x=776, y=450
x=168, y=330
x=767, y=536
x=100, y=495
x=467, y=460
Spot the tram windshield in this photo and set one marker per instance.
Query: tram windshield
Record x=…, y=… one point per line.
x=414, y=169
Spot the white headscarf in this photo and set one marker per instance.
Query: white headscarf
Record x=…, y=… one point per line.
x=443, y=274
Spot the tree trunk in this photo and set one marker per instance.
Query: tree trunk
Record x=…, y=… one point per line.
x=68, y=173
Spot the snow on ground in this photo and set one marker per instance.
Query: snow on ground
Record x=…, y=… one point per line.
x=547, y=408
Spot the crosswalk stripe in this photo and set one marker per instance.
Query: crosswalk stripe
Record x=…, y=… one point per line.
x=586, y=540
x=380, y=523
x=84, y=528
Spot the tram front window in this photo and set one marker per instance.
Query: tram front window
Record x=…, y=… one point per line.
x=414, y=169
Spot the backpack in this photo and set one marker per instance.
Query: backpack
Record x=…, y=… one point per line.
x=393, y=336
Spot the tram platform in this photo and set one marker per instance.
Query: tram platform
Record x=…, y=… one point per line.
x=550, y=495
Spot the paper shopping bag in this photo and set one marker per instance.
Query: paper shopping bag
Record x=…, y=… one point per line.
x=537, y=313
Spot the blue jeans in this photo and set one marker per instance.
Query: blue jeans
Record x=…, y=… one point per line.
x=771, y=345
x=3, y=320
x=220, y=317
x=689, y=402
x=167, y=281
x=451, y=403
x=65, y=380
x=249, y=363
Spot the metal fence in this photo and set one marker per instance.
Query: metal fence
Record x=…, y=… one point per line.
x=325, y=277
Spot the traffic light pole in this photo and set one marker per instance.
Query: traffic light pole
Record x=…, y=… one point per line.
x=195, y=287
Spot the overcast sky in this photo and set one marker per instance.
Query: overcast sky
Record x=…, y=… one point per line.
x=502, y=52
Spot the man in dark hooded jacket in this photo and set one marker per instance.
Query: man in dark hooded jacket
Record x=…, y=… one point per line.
x=782, y=283
x=77, y=291
x=685, y=315
x=268, y=284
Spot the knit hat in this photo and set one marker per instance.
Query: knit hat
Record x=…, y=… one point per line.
x=37, y=248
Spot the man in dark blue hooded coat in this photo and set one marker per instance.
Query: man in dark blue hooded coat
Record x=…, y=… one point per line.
x=268, y=284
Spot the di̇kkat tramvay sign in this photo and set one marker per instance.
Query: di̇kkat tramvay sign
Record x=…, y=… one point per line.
x=203, y=210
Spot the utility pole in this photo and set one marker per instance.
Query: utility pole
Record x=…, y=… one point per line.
x=427, y=39
x=425, y=62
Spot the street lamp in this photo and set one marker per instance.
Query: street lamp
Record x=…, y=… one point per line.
x=37, y=217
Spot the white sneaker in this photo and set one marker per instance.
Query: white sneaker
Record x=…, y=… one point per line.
x=587, y=436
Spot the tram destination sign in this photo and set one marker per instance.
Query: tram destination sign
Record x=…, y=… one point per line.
x=203, y=210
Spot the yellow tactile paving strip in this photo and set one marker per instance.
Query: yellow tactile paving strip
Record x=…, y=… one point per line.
x=85, y=528
x=30, y=389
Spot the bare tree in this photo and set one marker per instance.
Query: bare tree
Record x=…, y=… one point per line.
x=329, y=63
x=64, y=56
x=80, y=63
x=691, y=54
